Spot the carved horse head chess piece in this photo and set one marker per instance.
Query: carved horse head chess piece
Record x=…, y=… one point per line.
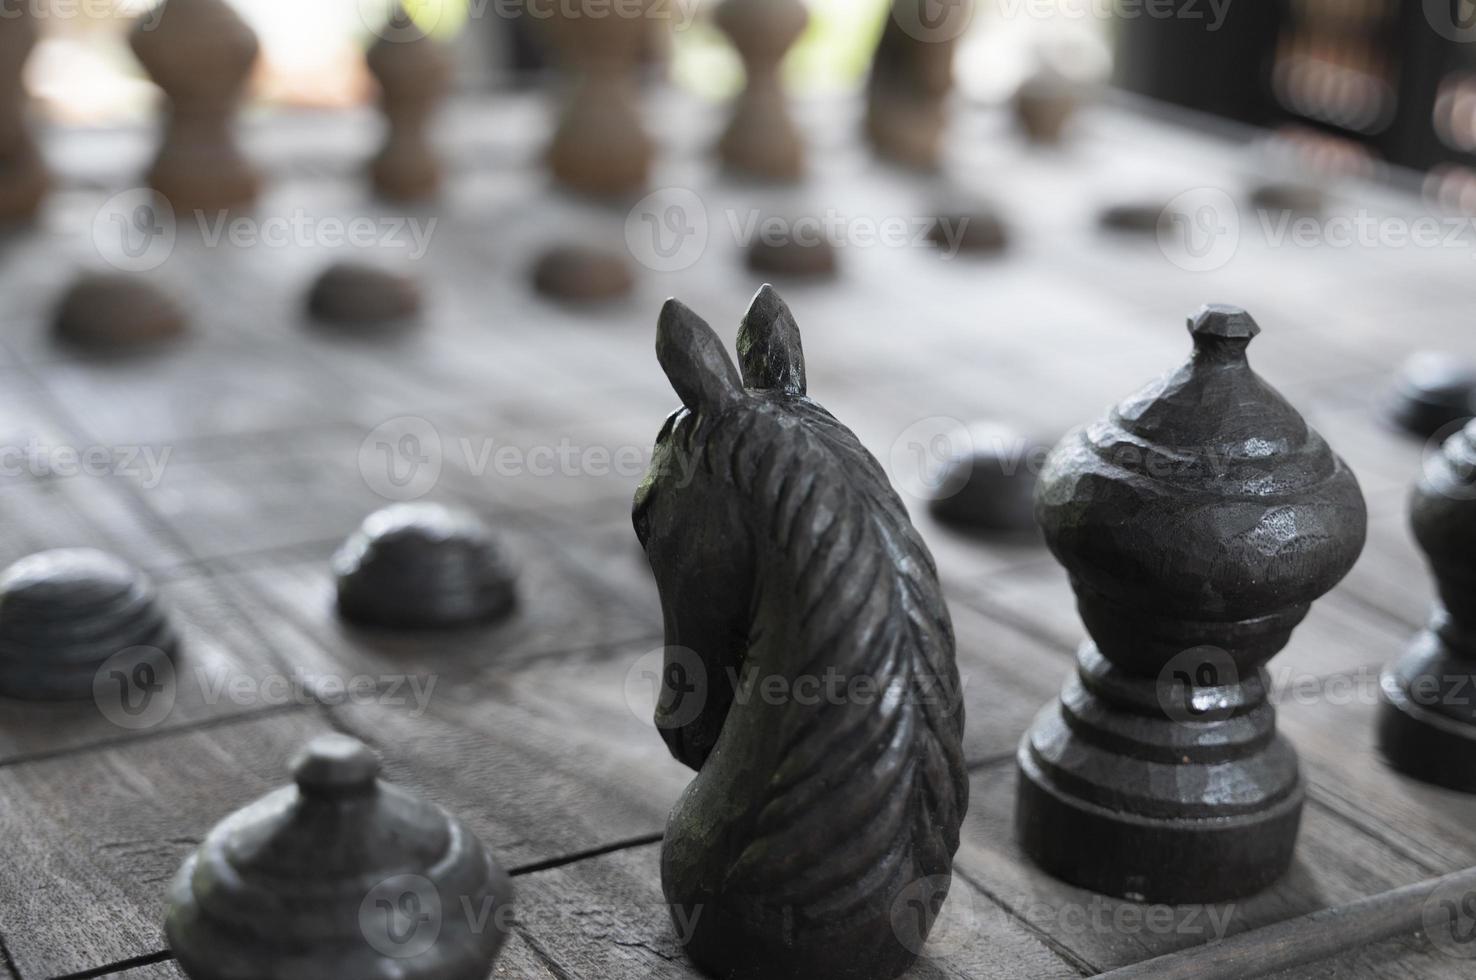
x=23, y=177
x=810, y=675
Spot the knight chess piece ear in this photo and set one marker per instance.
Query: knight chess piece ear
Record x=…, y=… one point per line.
x=815, y=829
x=1198, y=523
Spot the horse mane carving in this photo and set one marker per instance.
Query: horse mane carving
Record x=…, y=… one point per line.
x=810, y=672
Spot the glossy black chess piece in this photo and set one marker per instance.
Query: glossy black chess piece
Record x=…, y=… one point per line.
x=1432, y=390
x=1427, y=724
x=810, y=675
x=65, y=613
x=339, y=875
x=1198, y=522
x=423, y=566
x=988, y=482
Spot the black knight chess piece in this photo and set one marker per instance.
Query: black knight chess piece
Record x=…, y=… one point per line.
x=1427, y=725
x=1198, y=522
x=823, y=816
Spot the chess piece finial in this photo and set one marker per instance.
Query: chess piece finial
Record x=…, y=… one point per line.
x=911, y=78
x=200, y=53
x=414, y=72
x=1427, y=724
x=339, y=875
x=761, y=139
x=422, y=565
x=1198, y=522
x=23, y=177
x=600, y=145
x=65, y=613
x=786, y=557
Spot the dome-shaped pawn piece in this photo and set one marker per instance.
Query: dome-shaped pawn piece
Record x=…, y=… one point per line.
x=357, y=293
x=422, y=566
x=340, y=875
x=1427, y=725
x=66, y=613
x=761, y=139
x=200, y=53
x=116, y=311
x=1434, y=389
x=988, y=483
x=23, y=177
x=1199, y=521
x=583, y=273
x=414, y=72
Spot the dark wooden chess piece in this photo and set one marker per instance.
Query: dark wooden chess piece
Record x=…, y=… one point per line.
x=988, y=483
x=340, y=875
x=414, y=73
x=1433, y=389
x=413, y=566
x=114, y=311
x=583, y=273
x=23, y=177
x=66, y=613
x=907, y=96
x=761, y=139
x=600, y=145
x=358, y=293
x=200, y=53
x=1198, y=522
x=1044, y=105
x=785, y=559
x=1427, y=724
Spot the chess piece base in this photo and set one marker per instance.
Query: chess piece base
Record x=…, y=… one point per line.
x=1422, y=743
x=405, y=175
x=907, y=131
x=1119, y=800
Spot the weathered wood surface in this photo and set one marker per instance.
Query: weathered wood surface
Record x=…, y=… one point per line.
x=534, y=730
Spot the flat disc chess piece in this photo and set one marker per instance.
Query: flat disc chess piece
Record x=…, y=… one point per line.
x=974, y=227
x=600, y=145
x=811, y=821
x=200, y=53
x=792, y=249
x=911, y=79
x=23, y=178
x=988, y=482
x=1427, y=724
x=1433, y=390
x=356, y=293
x=340, y=875
x=1291, y=198
x=1045, y=104
x=1198, y=522
x=414, y=73
x=419, y=565
x=761, y=139
x=65, y=613
x=1136, y=217
x=106, y=310
x=583, y=274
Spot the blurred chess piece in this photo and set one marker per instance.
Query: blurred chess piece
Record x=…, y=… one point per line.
x=22, y=174
x=600, y=145
x=907, y=96
x=1044, y=105
x=762, y=140
x=200, y=53
x=414, y=73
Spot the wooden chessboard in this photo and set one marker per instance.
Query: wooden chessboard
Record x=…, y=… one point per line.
x=274, y=429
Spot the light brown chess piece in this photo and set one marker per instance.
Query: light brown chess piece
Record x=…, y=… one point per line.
x=200, y=53
x=600, y=145
x=1045, y=103
x=22, y=174
x=414, y=72
x=762, y=140
x=911, y=78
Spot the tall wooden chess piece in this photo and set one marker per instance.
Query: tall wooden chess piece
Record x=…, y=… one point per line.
x=1198, y=521
x=761, y=139
x=911, y=78
x=22, y=174
x=414, y=72
x=200, y=53
x=600, y=145
x=1427, y=725
x=816, y=840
